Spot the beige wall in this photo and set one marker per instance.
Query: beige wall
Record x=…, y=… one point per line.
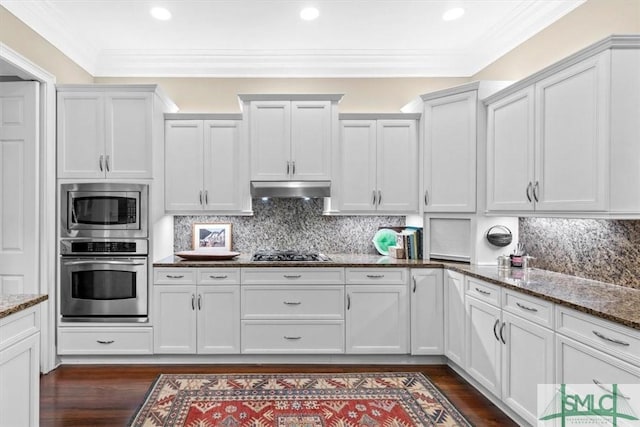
x=585, y=25
x=16, y=35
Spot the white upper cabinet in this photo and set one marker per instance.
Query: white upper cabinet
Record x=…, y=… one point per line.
x=564, y=140
x=108, y=131
x=291, y=136
x=204, y=168
x=377, y=167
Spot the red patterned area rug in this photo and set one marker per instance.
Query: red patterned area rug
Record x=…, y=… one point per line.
x=296, y=400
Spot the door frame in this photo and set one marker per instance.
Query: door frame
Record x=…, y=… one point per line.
x=46, y=203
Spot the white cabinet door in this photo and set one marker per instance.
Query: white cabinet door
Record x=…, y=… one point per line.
x=377, y=319
x=174, y=318
x=527, y=360
x=454, y=317
x=483, y=347
x=572, y=117
x=218, y=319
x=81, y=135
x=20, y=383
x=397, y=166
x=184, y=165
x=427, y=311
x=221, y=165
x=357, y=167
x=128, y=135
x=510, y=152
x=450, y=153
x=270, y=136
x=310, y=140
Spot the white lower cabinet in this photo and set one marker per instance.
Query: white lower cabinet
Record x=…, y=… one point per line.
x=194, y=318
x=454, y=317
x=105, y=340
x=377, y=312
x=20, y=368
x=427, y=311
x=483, y=346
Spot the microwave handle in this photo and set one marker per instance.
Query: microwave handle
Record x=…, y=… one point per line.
x=97, y=261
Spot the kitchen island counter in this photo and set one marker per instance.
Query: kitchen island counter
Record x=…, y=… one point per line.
x=10, y=304
x=605, y=300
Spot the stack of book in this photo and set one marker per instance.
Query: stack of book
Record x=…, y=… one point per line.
x=410, y=239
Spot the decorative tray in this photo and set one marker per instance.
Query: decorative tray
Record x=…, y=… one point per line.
x=215, y=255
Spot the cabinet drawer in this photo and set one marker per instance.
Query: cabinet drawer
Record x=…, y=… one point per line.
x=292, y=336
x=370, y=276
x=293, y=302
x=609, y=337
x=174, y=276
x=19, y=325
x=279, y=276
x=534, y=309
x=487, y=292
x=218, y=276
x=105, y=340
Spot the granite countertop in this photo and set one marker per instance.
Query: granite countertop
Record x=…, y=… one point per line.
x=605, y=300
x=10, y=304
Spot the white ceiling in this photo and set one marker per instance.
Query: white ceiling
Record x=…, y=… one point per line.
x=251, y=38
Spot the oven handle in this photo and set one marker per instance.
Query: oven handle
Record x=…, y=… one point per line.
x=109, y=262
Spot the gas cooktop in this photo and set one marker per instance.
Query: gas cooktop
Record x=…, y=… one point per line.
x=289, y=255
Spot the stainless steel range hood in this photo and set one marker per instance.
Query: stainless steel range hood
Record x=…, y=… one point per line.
x=294, y=189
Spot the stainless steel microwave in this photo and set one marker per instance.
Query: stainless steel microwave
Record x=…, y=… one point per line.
x=104, y=210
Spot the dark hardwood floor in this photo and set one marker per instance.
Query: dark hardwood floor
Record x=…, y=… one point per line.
x=108, y=395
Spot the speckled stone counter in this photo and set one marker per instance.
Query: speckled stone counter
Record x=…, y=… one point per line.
x=608, y=301
x=10, y=304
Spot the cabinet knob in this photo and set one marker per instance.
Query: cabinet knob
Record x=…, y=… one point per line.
x=375, y=276
x=222, y=276
x=379, y=197
x=106, y=163
x=528, y=192
x=535, y=191
x=101, y=161
x=495, y=333
x=176, y=276
x=293, y=167
x=291, y=338
x=105, y=342
x=292, y=302
x=426, y=197
x=293, y=276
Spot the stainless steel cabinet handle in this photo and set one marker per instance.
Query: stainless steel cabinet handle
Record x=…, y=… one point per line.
x=348, y=302
x=483, y=292
x=501, y=333
x=105, y=342
x=178, y=276
x=375, y=276
x=613, y=340
x=200, y=196
x=414, y=285
x=292, y=338
x=495, y=334
x=524, y=307
x=535, y=191
x=223, y=276
x=426, y=197
x=101, y=161
x=529, y=192
x=379, y=197
x=199, y=302
x=293, y=168
x=98, y=261
x=293, y=276
x=106, y=162
x=193, y=302
x=292, y=302
x=599, y=384
x=373, y=199
x=206, y=197
x=288, y=167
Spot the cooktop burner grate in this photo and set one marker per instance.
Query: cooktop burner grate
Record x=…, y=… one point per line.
x=289, y=256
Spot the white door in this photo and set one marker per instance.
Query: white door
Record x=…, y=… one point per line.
x=510, y=152
x=483, y=347
x=310, y=140
x=397, y=171
x=427, y=311
x=572, y=123
x=19, y=261
x=222, y=165
x=454, y=317
x=218, y=319
x=174, y=315
x=270, y=137
x=450, y=153
x=377, y=319
x=183, y=165
x=128, y=135
x=357, y=167
x=80, y=131
x=20, y=383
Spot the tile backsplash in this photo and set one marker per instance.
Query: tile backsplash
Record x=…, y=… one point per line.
x=605, y=250
x=291, y=224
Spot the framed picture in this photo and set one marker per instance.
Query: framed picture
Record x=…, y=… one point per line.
x=216, y=235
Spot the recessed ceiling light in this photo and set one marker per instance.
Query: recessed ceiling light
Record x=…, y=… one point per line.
x=160, y=13
x=453, y=14
x=309, y=13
